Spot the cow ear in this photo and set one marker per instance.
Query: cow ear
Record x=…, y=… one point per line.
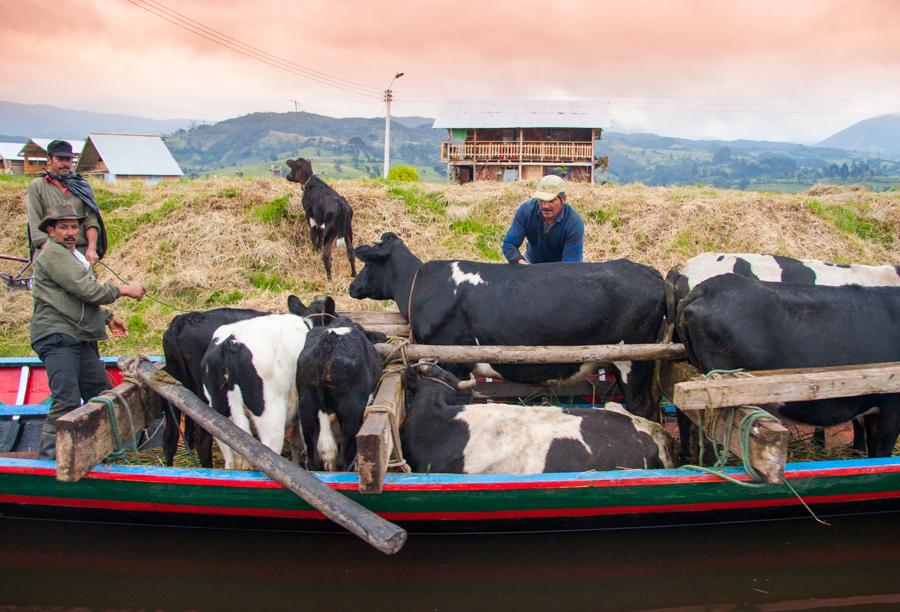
x=370, y=254
x=291, y=163
x=329, y=305
x=295, y=306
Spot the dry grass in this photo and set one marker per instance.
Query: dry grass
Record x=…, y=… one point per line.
x=198, y=244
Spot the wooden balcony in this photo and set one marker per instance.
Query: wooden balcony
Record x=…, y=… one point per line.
x=515, y=152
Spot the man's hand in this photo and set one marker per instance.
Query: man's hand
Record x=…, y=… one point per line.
x=117, y=327
x=90, y=254
x=133, y=291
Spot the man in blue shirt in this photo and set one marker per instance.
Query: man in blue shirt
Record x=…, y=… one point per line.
x=554, y=230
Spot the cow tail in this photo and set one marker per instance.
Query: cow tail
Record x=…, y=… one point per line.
x=670, y=286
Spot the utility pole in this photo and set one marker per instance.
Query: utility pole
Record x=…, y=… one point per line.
x=388, y=96
x=297, y=111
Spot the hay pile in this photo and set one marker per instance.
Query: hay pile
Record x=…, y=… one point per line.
x=216, y=242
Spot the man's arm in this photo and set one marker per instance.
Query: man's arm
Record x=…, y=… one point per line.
x=65, y=271
x=573, y=249
x=34, y=209
x=515, y=236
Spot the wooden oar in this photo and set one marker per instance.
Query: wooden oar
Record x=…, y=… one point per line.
x=380, y=533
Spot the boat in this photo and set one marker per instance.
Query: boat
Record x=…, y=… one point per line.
x=425, y=503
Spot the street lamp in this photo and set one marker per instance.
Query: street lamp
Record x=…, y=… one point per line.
x=387, y=125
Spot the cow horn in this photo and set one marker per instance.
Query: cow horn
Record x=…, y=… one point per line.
x=467, y=384
x=422, y=368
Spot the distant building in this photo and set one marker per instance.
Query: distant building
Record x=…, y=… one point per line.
x=11, y=161
x=522, y=140
x=35, y=153
x=116, y=157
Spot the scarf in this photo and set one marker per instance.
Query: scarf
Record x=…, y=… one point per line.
x=80, y=187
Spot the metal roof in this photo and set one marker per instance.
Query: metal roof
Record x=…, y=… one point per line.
x=130, y=154
x=522, y=114
x=10, y=150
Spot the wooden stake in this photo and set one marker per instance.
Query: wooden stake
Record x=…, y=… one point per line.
x=382, y=534
x=374, y=442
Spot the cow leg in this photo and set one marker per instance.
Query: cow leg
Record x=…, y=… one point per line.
x=326, y=256
x=351, y=254
x=295, y=440
x=313, y=234
x=859, y=435
x=203, y=446
x=883, y=427
x=309, y=426
x=634, y=378
x=170, y=433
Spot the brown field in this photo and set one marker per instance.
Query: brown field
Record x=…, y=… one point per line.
x=202, y=244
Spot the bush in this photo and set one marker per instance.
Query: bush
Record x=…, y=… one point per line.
x=405, y=174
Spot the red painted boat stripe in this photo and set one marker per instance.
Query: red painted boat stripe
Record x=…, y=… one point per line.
x=439, y=516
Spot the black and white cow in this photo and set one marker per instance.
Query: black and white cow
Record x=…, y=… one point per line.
x=732, y=321
x=444, y=432
x=468, y=303
x=328, y=213
x=337, y=373
x=184, y=344
x=772, y=268
x=250, y=376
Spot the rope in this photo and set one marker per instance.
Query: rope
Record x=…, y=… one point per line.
x=396, y=461
x=119, y=454
x=146, y=295
x=409, y=312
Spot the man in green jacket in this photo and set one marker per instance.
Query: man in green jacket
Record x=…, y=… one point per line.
x=68, y=320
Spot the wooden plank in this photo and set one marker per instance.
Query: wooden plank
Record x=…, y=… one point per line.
x=538, y=354
x=362, y=522
x=774, y=387
x=375, y=442
x=768, y=438
x=506, y=389
x=84, y=437
x=388, y=330
x=387, y=317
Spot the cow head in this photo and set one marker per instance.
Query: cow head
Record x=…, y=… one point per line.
x=432, y=379
x=320, y=312
x=301, y=170
x=389, y=267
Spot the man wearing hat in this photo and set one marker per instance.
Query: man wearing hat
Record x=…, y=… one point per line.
x=554, y=230
x=68, y=320
x=58, y=186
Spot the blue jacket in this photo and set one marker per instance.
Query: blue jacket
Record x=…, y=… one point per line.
x=562, y=241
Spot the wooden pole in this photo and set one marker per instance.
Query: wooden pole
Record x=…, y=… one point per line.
x=375, y=442
x=382, y=534
x=536, y=354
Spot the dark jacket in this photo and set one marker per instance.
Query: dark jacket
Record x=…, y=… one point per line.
x=562, y=241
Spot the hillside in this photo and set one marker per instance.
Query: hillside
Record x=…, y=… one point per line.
x=230, y=241
x=880, y=135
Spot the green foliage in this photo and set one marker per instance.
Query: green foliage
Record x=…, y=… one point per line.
x=488, y=236
x=848, y=219
x=223, y=298
x=268, y=282
x=273, y=212
x=404, y=174
x=136, y=325
x=688, y=244
x=602, y=216
x=228, y=192
x=107, y=200
x=120, y=227
x=418, y=201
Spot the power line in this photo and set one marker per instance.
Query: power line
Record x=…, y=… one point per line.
x=229, y=42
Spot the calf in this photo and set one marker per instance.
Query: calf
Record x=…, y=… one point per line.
x=469, y=303
x=328, y=213
x=249, y=375
x=337, y=372
x=731, y=321
x=184, y=343
x=444, y=432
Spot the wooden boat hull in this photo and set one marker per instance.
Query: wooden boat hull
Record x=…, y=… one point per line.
x=445, y=502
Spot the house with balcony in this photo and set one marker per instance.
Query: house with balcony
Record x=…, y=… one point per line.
x=522, y=139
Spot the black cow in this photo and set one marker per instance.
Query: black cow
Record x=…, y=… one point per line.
x=468, y=303
x=443, y=432
x=731, y=321
x=184, y=343
x=328, y=213
x=337, y=372
x=771, y=268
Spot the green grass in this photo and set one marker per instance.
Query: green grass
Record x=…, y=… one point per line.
x=688, y=245
x=418, y=201
x=488, y=236
x=850, y=220
x=272, y=212
x=223, y=298
x=108, y=201
x=120, y=227
x=268, y=282
x=602, y=216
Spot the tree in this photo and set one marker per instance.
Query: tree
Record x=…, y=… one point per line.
x=722, y=156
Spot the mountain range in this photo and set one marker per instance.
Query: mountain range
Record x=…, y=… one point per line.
x=257, y=143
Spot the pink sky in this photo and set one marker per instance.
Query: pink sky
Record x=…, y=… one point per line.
x=794, y=70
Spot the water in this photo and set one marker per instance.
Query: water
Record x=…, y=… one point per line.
x=852, y=565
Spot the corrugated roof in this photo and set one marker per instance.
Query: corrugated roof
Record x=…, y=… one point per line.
x=43, y=143
x=10, y=150
x=132, y=154
x=522, y=113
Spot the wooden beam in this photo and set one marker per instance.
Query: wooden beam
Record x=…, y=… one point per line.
x=388, y=330
x=386, y=317
x=506, y=389
x=538, y=354
x=84, y=437
x=768, y=438
x=375, y=442
x=775, y=386
x=362, y=522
